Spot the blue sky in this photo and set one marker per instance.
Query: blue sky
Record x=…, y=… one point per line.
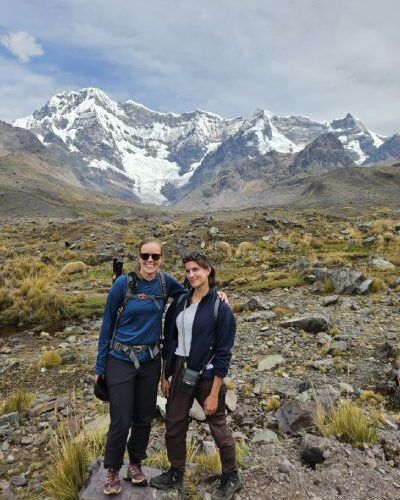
x=311, y=57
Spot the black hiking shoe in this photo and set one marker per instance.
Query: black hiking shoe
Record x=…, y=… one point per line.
x=171, y=478
x=229, y=484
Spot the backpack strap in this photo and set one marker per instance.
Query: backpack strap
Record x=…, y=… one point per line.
x=163, y=285
x=129, y=293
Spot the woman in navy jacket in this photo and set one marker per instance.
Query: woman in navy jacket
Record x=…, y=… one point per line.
x=199, y=335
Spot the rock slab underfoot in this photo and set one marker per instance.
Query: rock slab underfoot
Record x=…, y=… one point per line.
x=94, y=488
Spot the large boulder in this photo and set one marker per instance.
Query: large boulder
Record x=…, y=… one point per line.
x=345, y=280
x=296, y=416
x=314, y=323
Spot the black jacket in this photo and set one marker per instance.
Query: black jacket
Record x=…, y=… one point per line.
x=209, y=336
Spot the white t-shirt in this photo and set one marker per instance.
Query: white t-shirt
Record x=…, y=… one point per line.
x=187, y=315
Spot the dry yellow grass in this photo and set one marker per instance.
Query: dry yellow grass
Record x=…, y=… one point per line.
x=68, y=255
x=49, y=359
x=377, y=285
x=348, y=422
x=371, y=398
x=273, y=403
x=69, y=462
x=5, y=298
x=40, y=300
x=19, y=401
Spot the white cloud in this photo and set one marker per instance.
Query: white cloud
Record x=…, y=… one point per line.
x=22, y=45
x=22, y=90
x=321, y=59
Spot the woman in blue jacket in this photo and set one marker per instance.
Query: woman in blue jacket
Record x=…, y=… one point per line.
x=199, y=335
x=128, y=359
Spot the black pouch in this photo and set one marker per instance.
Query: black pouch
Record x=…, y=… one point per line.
x=101, y=389
x=189, y=382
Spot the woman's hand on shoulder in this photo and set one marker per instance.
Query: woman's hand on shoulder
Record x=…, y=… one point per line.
x=223, y=297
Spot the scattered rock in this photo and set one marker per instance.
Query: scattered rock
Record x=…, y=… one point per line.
x=197, y=412
x=231, y=400
x=311, y=455
x=284, y=245
x=19, y=480
x=285, y=466
x=270, y=362
x=254, y=304
x=295, y=416
x=316, y=322
x=330, y=301
x=10, y=420
x=264, y=436
x=382, y=265
x=73, y=330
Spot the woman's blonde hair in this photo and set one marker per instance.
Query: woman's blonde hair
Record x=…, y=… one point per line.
x=150, y=239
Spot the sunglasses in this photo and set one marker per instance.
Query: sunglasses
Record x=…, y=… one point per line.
x=154, y=256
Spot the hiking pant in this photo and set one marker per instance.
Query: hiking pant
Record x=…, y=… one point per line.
x=133, y=396
x=177, y=421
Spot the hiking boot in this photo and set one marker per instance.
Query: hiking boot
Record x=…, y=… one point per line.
x=135, y=474
x=229, y=484
x=171, y=478
x=112, y=485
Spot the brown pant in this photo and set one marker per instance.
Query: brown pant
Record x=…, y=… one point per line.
x=177, y=422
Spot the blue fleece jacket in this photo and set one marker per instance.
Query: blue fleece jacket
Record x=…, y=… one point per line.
x=139, y=323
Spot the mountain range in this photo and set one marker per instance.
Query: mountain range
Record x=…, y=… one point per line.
x=125, y=150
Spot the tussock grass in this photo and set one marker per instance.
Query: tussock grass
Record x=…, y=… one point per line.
x=40, y=301
x=327, y=287
x=230, y=384
x=273, y=403
x=49, y=359
x=371, y=398
x=5, y=299
x=210, y=464
x=19, y=401
x=20, y=268
x=68, y=255
x=377, y=285
x=281, y=311
x=158, y=460
x=69, y=462
x=348, y=422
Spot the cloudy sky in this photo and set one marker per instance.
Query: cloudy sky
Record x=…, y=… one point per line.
x=311, y=57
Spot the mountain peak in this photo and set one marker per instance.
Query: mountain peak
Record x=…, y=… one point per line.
x=262, y=113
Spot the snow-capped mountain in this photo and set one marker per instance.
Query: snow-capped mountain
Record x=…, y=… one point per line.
x=143, y=151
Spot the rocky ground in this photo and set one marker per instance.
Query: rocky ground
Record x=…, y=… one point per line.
x=299, y=343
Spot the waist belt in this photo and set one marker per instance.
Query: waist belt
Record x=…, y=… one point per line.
x=132, y=350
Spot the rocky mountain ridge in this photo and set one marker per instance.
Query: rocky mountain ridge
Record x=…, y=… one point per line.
x=162, y=157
